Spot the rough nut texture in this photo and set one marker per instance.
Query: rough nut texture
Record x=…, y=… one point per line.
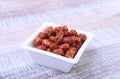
x=60, y=41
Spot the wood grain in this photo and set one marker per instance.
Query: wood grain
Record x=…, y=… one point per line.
x=19, y=19
x=16, y=7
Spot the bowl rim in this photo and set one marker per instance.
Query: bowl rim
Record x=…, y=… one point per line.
x=41, y=28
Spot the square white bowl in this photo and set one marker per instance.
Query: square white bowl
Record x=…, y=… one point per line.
x=50, y=59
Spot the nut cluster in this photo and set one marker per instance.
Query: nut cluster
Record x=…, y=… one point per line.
x=60, y=40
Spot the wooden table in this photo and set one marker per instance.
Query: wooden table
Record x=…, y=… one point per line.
x=20, y=18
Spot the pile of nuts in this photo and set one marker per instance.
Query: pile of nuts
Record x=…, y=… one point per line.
x=60, y=40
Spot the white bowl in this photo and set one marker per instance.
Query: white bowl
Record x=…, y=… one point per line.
x=53, y=60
